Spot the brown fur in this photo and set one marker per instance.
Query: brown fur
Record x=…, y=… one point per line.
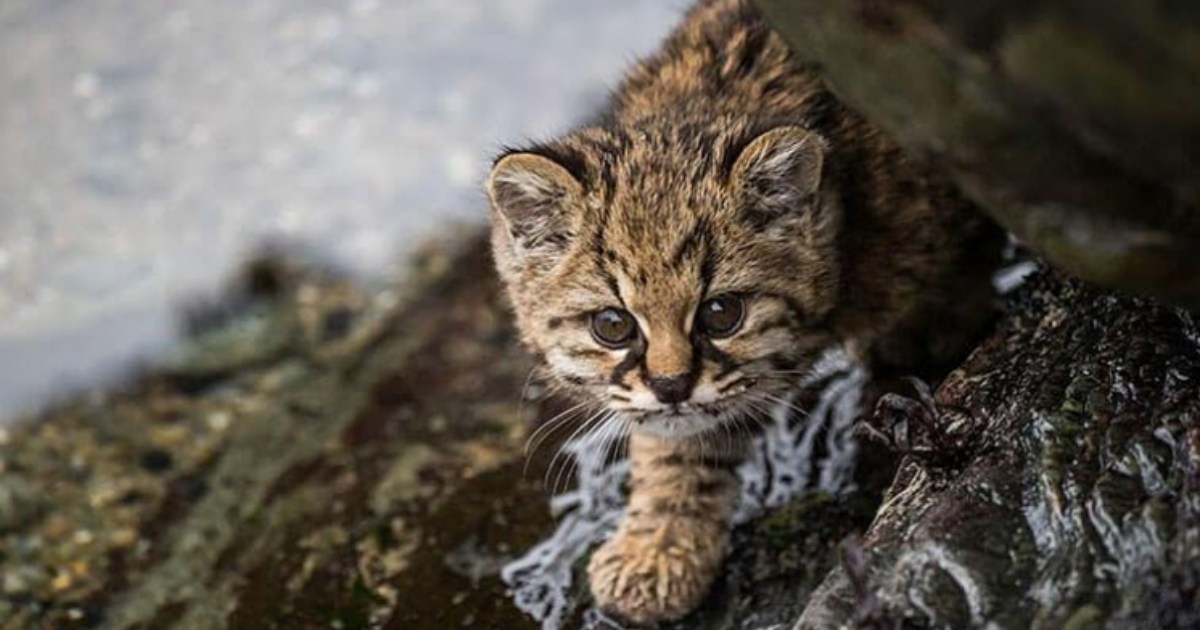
x=675, y=533
x=724, y=167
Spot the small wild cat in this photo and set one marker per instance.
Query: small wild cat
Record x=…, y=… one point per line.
x=682, y=260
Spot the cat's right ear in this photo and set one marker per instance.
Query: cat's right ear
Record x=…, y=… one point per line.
x=531, y=197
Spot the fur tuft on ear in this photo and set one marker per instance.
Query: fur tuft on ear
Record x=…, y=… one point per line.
x=780, y=172
x=531, y=197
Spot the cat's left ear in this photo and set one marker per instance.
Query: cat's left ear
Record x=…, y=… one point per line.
x=780, y=173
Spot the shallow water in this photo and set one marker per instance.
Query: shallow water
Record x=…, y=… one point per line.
x=145, y=150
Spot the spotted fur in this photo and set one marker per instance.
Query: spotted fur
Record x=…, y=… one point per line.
x=723, y=167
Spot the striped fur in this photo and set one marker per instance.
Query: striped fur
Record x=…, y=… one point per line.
x=724, y=167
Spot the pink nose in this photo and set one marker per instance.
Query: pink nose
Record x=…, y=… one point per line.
x=671, y=389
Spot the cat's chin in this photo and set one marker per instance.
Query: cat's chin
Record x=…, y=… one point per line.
x=677, y=425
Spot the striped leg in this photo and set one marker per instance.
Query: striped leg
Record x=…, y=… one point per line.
x=668, y=549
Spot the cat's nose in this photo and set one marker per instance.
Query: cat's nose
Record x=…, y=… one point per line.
x=671, y=389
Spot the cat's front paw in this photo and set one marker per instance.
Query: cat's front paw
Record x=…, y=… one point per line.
x=648, y=575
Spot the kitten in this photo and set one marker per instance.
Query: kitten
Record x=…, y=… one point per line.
x=683, y=260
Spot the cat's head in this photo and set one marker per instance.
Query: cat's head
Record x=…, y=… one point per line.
x=678, y=276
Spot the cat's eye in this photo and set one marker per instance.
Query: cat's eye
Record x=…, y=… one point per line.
x=613, y=327
x=720, y=316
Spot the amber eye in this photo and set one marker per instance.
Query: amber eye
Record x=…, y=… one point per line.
x=613, y=327
x=720, y=316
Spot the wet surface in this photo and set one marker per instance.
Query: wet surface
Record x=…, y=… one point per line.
x=1051, y=480
x=146, y=150
x=1074, y=134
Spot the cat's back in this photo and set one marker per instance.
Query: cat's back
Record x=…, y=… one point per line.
x=722, y=59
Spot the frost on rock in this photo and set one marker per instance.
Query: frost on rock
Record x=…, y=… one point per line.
x=540, y=581
x=796, y=453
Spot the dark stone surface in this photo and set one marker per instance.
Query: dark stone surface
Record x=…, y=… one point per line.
x=1073, y=501
x=1073, y=123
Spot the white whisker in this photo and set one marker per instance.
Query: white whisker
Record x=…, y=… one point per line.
x=786, y=403
x=585, y=429
x=531, y=446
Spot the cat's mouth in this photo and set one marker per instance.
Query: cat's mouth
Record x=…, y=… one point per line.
x=676, y=423
x=735, y=404
x=686, y=419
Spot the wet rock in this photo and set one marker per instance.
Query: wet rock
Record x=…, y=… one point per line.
x=1075, y=505
x=300, y=482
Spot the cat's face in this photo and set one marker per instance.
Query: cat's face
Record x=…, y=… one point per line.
x=678, y=279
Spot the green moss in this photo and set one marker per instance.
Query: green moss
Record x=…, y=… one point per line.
x=1085, y=617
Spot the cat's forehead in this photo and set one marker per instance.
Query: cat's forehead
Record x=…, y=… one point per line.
x=659, y=270
x=666, y=243
x=643, y=285
x=661, y=226
x=664, y=199
x=657, y=159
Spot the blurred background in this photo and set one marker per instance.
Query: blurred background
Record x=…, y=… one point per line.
x=147, y=148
